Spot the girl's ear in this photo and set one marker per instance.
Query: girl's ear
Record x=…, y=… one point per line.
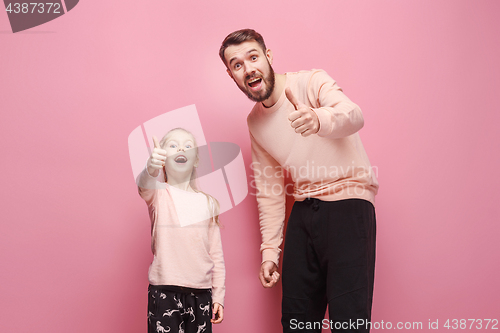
x=197, y=162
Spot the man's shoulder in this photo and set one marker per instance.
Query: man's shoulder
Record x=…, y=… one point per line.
x=254, y=110
x=305, y=73
x=307, y=79
x=253, y=113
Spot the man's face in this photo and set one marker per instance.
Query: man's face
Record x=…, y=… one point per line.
x=251, y=69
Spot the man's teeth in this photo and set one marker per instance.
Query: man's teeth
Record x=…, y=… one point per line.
x=255, y=81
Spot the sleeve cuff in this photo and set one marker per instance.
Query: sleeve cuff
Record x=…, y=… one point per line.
x=325, y=119
x=218, y=295
x=271, y=255
x=146, y=181
x=147, y=172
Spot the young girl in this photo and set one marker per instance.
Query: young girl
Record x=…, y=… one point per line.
x=187, y=274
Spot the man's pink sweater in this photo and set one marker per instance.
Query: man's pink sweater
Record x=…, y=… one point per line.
x=330, y=165
x=190, y=255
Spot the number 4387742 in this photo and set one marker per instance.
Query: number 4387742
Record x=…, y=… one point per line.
x=34, y=7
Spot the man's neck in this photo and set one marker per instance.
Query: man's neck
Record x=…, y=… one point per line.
x=279, y=86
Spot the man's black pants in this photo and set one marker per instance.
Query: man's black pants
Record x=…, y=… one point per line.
x=329, y=258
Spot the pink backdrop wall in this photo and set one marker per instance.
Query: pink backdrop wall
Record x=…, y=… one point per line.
x=74, y=248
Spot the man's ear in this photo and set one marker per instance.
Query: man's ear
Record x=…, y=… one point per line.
x=229, y=73
x=269, y=56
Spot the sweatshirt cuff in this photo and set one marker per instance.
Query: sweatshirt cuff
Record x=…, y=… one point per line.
x=271, y=255
x=325, y=120
x=147, y=172
x=218, y=295
x=146, y=181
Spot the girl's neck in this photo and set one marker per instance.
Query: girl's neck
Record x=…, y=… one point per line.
x=182, y=183
x=182, y=186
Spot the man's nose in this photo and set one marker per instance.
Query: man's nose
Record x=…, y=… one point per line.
x=249, y=69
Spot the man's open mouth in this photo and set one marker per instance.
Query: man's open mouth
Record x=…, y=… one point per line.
x=255, y=82
x=180, y=159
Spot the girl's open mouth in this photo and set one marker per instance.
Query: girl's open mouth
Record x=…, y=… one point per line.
x=180, y=159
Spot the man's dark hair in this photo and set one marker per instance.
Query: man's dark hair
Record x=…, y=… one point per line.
x=238, y=37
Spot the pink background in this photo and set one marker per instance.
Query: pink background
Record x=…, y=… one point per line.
x=75, y=243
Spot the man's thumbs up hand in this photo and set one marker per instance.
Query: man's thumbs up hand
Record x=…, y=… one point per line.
x=157, y=159
x=303, y=120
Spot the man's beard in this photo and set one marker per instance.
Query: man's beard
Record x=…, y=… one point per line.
x=269, y=80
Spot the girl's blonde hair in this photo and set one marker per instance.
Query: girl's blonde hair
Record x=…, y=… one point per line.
x=192, y=182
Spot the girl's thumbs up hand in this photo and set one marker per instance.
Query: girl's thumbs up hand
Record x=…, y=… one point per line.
x=157, y=159
x=155, y=142
x=303, y=120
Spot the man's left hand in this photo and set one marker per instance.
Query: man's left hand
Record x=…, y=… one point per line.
x=303, y=120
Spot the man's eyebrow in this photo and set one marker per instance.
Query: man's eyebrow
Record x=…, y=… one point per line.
x=234, y=58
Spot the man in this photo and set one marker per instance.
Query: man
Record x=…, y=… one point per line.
x=304, y=123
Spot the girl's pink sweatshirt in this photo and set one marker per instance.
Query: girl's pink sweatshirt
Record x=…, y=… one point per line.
x=185, y=253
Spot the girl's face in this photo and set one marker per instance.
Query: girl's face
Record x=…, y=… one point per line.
x=181, y=152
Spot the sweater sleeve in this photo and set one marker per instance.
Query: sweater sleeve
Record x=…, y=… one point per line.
x=338, y=116
x=270, y=192
x=219, y=270
x=147, y=186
